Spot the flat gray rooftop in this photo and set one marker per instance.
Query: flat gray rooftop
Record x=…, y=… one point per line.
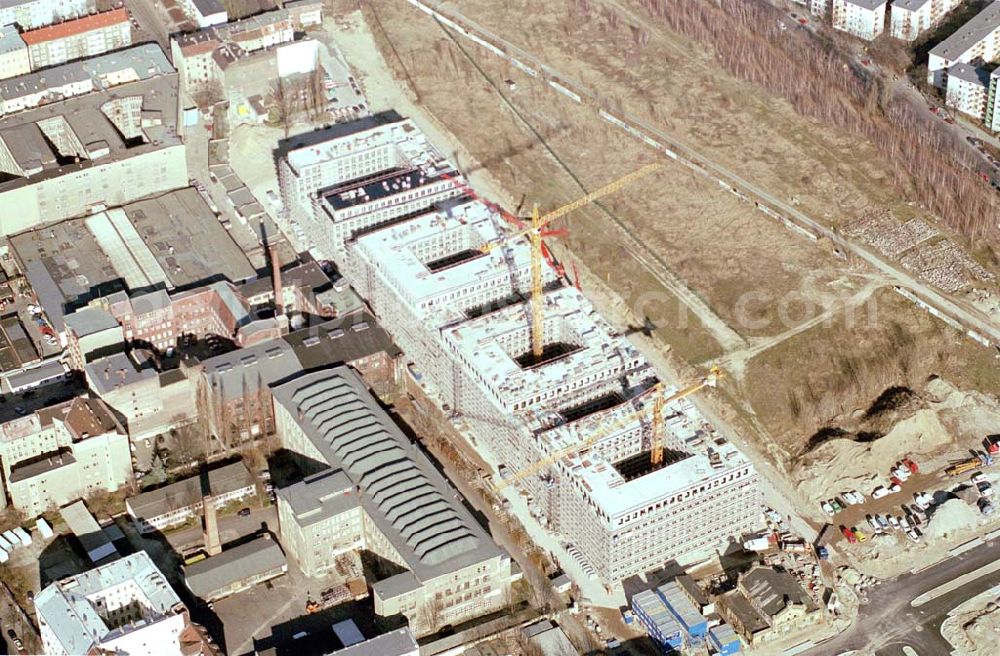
x=85, y=117
x=145, y=60
x=187, y=239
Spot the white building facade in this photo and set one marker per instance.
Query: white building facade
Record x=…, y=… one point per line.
x=124, y=607
x=14, y=59
x=978, y=39
x=968, y=89
x=63, y=453
x=32, y=14
x=864, y=19
x=908, y=19
x=334, y=174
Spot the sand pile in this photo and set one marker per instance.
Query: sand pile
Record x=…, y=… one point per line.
x=846, y=464
x=953, y=516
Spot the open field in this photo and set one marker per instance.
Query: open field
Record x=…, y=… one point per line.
x=760, y=282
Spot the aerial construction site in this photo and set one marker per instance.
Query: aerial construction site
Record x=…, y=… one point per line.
x=610, y=456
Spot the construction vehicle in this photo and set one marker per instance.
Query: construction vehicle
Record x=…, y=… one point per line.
x=508, y=478
x=535, y=232
x=967, y=465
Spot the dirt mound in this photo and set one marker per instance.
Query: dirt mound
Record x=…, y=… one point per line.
x=953, y=516
x=973, y=630
x=849, y=464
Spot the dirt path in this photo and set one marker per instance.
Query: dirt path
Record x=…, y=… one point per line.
x=384, y=92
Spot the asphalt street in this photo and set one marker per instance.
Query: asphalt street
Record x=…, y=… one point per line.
x=889, y=622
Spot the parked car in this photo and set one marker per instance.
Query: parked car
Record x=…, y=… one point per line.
x=985, y=489
x=849, y=534
x=880, y=492
x=244, y=512
x=861, y=536
x=837, y=506
x=893, y=522
x=882, y=522
x=827, y=508
x=978, y=477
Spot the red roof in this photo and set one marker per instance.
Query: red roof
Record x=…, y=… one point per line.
x=76, y=26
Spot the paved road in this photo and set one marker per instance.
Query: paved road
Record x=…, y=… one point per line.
x=969, y=318
x=151, y=21
x=888, y=622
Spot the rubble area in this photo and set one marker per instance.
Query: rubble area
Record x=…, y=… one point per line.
x=939, y=262
x=944, y=265
x=973, y=627
x=878, y=228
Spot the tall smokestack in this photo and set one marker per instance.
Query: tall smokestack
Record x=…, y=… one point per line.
x=210, y=527
x=279, y=305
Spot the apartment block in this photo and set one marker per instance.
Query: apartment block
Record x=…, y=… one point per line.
x=908, y=19
x=968, y=89
x=124, y=607
x=461, y=317
x=30, y=90
x=79, y=38
x=194, y=52
x=864, y=19
x=149, y=401
x=978, y=39
x=819, y=8
x=14, y=59
x=321, y=519
x=32, y=14
x=75, y=156
x=91, y=332
x=381, y=491
x=63, y=453
x=354, y=176
x=992, y=117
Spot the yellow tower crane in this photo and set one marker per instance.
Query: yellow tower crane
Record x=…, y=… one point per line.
x=656, y=457
x=534, y=233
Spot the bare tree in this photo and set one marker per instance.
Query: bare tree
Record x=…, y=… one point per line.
x=208, y=93
x=285, y=102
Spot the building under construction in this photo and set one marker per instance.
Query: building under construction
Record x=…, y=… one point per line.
x=460, y=310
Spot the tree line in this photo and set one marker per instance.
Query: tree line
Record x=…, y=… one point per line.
x=820, y=83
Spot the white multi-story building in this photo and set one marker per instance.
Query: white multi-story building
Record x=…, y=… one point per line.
x=908, y=19
x=124, y=607
x=864, y=19
x=819, y=8
x=351, y=173
x=968, y=88
x=460, y=315
x=32, y=14
x=382, y=494
x=14, y=59
x=74, y=156
x=79, y=38
x=978, y=39
x=992, y=117
x=462, y=318
x=63, y=453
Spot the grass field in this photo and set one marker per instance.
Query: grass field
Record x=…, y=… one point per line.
x=544, y=148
